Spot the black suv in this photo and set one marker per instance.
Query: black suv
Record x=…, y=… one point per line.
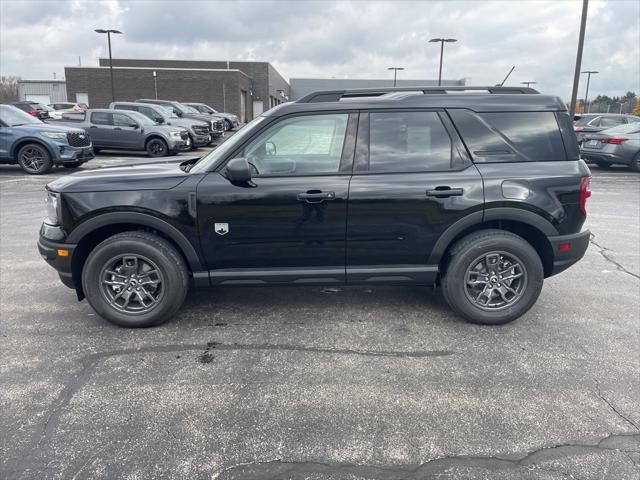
x=481, y=192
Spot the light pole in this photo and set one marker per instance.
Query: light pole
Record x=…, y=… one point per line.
x=586, y=95
x=528, y=84
x=442, y=41
x=395, y=73
x=155, y=83
x=620, y=103
x=109, y=32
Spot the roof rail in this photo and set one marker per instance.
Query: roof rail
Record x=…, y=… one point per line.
x=336, y=95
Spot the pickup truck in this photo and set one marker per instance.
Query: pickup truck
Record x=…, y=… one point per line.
x=118, y=130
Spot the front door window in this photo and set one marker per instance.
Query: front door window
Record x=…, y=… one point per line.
x=299, y=146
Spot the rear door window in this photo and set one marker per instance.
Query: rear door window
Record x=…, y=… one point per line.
x=408, y=142
x=611, y=121
x=510, y=136
x=101, y=118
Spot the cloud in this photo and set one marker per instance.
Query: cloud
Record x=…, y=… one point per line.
x=340, y=39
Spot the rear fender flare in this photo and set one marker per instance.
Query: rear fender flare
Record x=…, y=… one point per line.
x=492, y=214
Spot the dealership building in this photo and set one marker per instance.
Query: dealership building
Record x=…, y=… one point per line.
x=243, y=88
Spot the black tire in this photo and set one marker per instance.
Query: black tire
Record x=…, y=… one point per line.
x=156, y=147
x=71, y=165
x=193, y=144
x=34, y=159
x=227, y=125
x=603, y=164
x=462, y=281
x=635, y=163
x=102, y=287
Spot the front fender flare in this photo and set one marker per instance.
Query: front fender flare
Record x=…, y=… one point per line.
x=114, y=218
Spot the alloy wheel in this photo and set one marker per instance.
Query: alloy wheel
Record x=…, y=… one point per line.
x=495, y=280
x=32, y=159
x=131, y=284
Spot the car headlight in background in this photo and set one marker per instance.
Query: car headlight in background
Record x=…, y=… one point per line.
x=54, y=135
x=51, y=202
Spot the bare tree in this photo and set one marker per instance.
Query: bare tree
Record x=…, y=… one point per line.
x=9, y=88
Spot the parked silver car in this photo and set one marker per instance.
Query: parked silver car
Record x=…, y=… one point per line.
x=619, y=144
x=589, y=123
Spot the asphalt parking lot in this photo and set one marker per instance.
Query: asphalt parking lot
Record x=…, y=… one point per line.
x=313, y=383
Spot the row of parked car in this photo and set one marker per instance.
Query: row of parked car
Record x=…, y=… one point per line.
x=606, y=139
x=37, y=140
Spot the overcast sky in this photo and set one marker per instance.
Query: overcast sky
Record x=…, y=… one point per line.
x=341, y=39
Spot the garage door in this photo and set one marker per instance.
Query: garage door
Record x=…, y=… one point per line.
x=44, y=99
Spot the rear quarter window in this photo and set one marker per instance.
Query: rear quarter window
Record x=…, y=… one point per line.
x=510, y=136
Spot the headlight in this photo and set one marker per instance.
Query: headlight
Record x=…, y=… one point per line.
x=51, y=201
x=54, y=135
x=176, y=134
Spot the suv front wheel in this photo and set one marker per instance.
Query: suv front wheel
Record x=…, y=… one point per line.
x=135, y=279
x=492, y=277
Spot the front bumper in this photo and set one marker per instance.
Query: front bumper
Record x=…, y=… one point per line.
x=65, y=154
x=178, y=145
x=568, y=249
x=199, y=140
x=56, y=253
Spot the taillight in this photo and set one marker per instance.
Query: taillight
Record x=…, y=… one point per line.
x=614, y=140
x=578, y=129
x=584, y=193
x=33, y=113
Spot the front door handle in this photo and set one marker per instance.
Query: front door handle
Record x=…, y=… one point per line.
x=316, y=197
x=444, y=192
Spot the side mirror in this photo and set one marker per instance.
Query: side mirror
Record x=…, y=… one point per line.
x=179, y=114
x=238, y=171
x=159, y=120
x=134, y=125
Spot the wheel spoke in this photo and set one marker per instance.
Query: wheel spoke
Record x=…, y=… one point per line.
x=495, y=280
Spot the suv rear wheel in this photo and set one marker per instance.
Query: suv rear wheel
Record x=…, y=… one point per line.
x=493, y=277
x=135, y=279
x=34, y=159
x=635, y=163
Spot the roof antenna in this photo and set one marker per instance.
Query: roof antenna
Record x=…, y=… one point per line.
x=505, y=78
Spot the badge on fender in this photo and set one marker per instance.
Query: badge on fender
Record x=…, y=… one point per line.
x=221, y=228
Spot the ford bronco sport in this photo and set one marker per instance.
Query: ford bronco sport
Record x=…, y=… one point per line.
x=479, y=190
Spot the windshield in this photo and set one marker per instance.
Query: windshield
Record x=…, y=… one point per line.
x=622, y=129
x=208, y=161
x=140, y=118
x=189, y=109
x=14, y=117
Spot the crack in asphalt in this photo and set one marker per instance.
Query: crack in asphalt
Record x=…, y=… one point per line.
x=613, y=408
x=602, y=250
x=89, y=362
x=431, y=469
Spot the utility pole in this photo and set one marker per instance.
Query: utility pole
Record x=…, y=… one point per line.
x=576, y=75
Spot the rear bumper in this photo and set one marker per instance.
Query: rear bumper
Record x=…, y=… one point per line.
x=50, y=251
x=596, y=156
x=568, y=249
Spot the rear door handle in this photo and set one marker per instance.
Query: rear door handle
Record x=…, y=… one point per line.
x=444, y=192
x=316, y=197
